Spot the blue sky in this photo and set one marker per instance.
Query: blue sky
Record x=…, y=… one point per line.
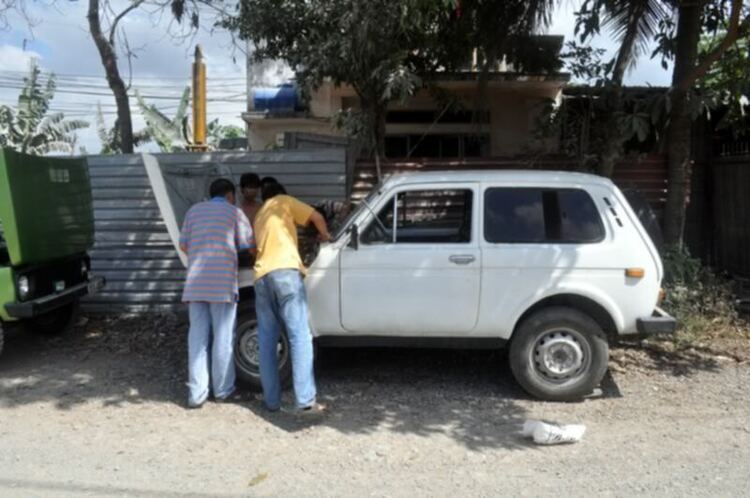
x=162, y=65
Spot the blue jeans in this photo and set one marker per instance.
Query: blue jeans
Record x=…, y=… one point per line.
x=281, y=301
x=219, y=318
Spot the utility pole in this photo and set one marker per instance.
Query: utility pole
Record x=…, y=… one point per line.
x=199, y=103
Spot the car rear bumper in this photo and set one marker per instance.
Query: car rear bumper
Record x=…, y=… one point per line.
x=39, y=306
x=660, y=322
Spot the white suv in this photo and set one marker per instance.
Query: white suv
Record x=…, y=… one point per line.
x=555, y=265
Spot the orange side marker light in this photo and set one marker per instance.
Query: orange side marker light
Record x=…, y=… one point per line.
x=635, y=272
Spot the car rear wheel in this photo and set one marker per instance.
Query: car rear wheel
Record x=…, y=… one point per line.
x=559, y=354
x=55, y=322
x=247, y=354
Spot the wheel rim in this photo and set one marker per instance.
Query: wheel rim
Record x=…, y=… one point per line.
x=561, y=355
x=247, y=352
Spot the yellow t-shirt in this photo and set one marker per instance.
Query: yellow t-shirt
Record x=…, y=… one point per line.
x=276, y=234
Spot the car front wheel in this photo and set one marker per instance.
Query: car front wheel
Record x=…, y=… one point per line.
x=559, y=354
x=247, y=354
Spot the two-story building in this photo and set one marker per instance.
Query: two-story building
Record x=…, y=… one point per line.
x=498, y=120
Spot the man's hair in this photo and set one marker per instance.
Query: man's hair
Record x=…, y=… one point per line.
x=249, y=180
x=271, y=190
x=220, y=188
x=268, y=180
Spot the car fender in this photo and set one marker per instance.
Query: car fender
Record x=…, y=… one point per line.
x=579, y=289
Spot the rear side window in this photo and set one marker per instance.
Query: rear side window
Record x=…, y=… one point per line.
x=534, y=215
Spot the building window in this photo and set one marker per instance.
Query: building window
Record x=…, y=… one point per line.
x=454, y=145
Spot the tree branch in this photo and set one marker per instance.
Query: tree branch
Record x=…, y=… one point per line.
x=734, y=30
x=118, y=18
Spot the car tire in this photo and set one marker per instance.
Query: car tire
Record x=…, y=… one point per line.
x=56, y=322
x=246, y=353
x=559, y=354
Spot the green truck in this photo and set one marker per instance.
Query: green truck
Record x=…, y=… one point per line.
x=46, y=229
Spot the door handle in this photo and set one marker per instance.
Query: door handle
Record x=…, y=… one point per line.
x=462, y=259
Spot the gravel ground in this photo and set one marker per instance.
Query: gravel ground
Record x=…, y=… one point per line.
x=100, y=412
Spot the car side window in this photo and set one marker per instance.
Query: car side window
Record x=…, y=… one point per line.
x=423, y=217
x=535, y=215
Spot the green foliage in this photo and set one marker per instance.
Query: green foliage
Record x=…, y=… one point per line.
x=581, y=122
x=641, y=18
x=727, y=84
x=701, y=301
x=174, y=135
x=230, y=131
x=110, y=137
x=30, y=128
x=169, y=134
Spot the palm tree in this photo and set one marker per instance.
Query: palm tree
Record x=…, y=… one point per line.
x=30, y=128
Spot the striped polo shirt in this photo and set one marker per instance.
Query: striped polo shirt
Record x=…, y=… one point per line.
x=213, y=232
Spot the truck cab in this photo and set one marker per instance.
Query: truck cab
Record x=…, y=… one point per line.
x=46, y=229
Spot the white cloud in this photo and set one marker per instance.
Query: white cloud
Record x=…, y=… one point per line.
x=15, y=59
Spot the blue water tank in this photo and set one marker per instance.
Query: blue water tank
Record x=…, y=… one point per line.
x=278, y=99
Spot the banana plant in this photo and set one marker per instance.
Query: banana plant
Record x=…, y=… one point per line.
x=30, y=128
x=110, y=137
x=174, y=134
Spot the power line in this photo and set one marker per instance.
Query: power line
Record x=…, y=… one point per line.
x=101, y=77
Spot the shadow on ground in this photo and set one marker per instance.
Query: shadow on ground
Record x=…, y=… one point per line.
x=468, y=396
x=667, y=357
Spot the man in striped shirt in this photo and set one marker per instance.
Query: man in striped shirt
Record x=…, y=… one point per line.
x=212, y=233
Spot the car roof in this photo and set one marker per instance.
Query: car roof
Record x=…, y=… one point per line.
x=537, y=177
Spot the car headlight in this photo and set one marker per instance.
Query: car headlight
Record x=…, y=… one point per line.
x=24, y=288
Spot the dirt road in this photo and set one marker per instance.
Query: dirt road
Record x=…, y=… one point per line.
x=100, y=413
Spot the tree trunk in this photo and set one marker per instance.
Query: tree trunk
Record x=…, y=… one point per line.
x=378, y=127
x=109, y=61
x=680, y=123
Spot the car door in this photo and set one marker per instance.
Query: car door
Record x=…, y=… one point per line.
x=536, y=241
x=416, y=270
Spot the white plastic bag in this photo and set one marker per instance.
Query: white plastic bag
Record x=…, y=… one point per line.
x=546, y=434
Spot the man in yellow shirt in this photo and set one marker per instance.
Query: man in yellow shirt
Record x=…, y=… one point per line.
x=280, y=297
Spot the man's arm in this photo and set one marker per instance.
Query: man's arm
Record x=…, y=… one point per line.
x=320, y=225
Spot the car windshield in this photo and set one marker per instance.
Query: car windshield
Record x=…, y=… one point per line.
x=353, y=215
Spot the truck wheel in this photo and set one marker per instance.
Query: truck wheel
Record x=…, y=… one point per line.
x=55, y=322
x=246, y=354
x=559, y=354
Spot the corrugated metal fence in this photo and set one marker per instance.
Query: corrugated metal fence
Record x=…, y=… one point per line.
x=647, y=174
x=731, y=209
x=132, y=248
